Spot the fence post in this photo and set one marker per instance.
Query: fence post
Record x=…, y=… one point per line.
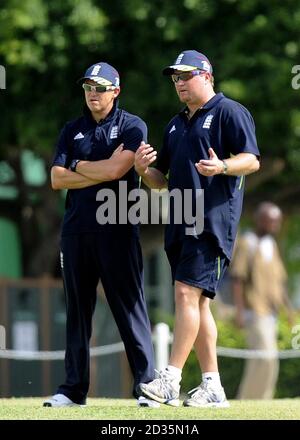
x=161, y=336
x=2, y=77
x=2, y=337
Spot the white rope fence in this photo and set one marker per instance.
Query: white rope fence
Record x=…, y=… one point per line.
x=57, y=355
x=243, y=353
x=161, y=339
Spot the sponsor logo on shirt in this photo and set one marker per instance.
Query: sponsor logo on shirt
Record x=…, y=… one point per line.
x=208, y=121
x=172, y=129
x=114, y=132
x=79, y=136
x=61, y=260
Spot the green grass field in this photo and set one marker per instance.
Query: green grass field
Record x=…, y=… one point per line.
x=123, y=409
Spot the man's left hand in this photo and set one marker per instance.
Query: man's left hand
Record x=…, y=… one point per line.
x=211, y=166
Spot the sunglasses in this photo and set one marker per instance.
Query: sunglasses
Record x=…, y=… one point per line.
x=99, y=89
x=186, y=76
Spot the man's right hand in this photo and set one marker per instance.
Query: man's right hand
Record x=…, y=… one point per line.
x=144, y=156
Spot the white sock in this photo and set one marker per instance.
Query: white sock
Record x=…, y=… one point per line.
x=176, y=372
x=213, y=378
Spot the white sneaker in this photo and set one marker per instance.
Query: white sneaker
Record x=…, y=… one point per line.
x=206, y=396
x=60, y=400
x=165, y=389
x=147, y=403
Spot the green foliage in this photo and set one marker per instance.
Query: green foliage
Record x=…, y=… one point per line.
x=291, y=255
x=289, y=377
x=50, y=44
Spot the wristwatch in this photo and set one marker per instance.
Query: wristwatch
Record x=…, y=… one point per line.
x=73, y=164
x=225, y=167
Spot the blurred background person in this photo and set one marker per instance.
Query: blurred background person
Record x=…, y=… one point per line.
x=259, y=290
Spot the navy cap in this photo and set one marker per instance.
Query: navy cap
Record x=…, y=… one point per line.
x=102, y=73
x=189, y=60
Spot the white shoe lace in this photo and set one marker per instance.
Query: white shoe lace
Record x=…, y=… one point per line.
x=204, y=392
x=163, y=383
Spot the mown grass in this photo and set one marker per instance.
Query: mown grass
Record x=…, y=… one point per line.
x=125, y=409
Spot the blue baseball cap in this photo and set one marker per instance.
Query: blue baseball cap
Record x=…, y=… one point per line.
x=102, y=73
x=189, y=60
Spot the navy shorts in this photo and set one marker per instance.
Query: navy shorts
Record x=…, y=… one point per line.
x=198, y=262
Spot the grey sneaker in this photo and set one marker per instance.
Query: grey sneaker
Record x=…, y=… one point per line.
x=165, y=389
x=206, y=396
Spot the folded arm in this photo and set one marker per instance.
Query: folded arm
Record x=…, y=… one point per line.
x=61, y=178
x=109, y=169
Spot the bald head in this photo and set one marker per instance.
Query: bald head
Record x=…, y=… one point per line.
x=268, y=218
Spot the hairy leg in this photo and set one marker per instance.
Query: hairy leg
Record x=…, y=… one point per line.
x=187, y=322
x=206, y=341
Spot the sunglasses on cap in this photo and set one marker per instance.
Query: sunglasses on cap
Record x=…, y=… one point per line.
x=99, y=88
x=186, y=76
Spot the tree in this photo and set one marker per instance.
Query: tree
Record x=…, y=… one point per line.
x=45, y=46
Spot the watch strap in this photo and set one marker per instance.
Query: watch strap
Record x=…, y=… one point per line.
x=225, y=167
x=74, y=164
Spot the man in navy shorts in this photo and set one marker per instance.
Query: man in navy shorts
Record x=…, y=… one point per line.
x=95, y=153
x=210, y=145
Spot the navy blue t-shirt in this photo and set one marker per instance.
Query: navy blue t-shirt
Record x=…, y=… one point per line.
x=84, y=139
x=227, y=127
